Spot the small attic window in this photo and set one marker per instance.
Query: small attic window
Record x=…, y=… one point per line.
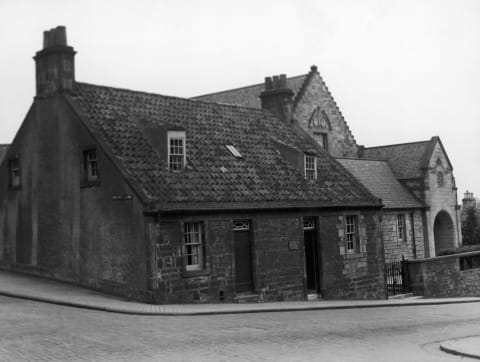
x=233, y=151
x=14, y=171
x=310, y=167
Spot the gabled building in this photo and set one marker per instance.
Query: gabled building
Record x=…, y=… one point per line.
x=170, y=200
x=422, y=167
x=425, y=169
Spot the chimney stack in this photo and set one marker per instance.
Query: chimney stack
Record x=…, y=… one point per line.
x=278, y=98
x=468, y=200
x=55, y=66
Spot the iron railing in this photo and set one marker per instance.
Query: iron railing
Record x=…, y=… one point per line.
x=396, y=277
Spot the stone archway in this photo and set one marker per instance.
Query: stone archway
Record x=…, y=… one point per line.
x=443, y=232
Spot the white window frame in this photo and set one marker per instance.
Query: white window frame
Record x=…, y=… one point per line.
x=193, y=245
x=351, y=233
x=310, y=173
x=176, y=136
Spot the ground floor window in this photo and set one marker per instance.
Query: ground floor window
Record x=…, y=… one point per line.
x=193, y=246
x=351, y=233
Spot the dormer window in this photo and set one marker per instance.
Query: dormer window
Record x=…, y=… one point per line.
x=176, y=150
x=310, y=167
x=14, y=170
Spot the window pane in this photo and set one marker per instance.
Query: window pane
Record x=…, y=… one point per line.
x=310, y=167
x=176, y=152
x=351, y=232
x=193, y=246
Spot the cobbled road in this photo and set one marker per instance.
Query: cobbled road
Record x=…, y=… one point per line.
x=31, y=331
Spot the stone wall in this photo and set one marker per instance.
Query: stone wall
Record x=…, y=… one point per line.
x=56, y=226
x=395, y=247
x=456, y=275
x=278, y=258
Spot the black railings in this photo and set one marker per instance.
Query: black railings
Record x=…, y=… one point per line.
x=396, y=277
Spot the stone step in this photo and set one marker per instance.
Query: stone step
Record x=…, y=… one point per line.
x=403, y=296
x=246, y=298
x=313, y=296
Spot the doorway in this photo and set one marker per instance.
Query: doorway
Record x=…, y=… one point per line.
x=312, y=257
x=243, y=256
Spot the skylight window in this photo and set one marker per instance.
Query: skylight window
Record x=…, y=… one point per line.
x=233, y=151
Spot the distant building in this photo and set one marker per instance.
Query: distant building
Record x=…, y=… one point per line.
x=469, y=201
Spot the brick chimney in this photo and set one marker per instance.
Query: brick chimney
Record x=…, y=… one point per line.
x=278, y=98
x=55, y=66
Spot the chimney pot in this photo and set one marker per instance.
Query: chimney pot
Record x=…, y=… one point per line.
x=283, y=81
x=276, y=82
x=313, y=68
x=268, y=83
x=60, y=35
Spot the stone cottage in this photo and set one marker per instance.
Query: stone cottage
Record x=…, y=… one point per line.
x=170, y=200
x=423, y=168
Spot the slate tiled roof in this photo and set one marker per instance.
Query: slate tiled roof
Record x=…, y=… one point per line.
x=120, y=120
x=378, y=177
x=249, y=96
x=3, y=151
x=407, y=160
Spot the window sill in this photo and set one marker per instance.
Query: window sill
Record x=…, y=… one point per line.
x=195, y=273
x=86, y=184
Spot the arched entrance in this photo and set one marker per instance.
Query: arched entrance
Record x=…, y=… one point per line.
x=443, y=232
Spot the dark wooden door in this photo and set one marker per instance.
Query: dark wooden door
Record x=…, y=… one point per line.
x=311, y=259
x=243, y=262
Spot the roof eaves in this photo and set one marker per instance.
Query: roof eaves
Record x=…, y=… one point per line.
x=267, y=205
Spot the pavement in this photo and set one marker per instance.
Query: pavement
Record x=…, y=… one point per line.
x=55, y=292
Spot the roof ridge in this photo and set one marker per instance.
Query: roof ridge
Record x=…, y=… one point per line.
x=363, y=159
x=397, y=144
x=260, y=111
x=239, y=88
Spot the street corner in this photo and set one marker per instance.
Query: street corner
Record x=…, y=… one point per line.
x=465, y=347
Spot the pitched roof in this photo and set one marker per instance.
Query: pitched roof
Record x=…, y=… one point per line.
x=249, y=96
x=408, y=160
x=122, y=120
x=378, y=177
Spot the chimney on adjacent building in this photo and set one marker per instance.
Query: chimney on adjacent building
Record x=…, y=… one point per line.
x=55, y=66
x=468, y=200
x=278, y=98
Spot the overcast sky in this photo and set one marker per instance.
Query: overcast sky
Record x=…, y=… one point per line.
x=400, y=71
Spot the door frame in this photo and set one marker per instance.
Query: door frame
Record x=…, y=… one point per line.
x=319, y=255
x=238, y=229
